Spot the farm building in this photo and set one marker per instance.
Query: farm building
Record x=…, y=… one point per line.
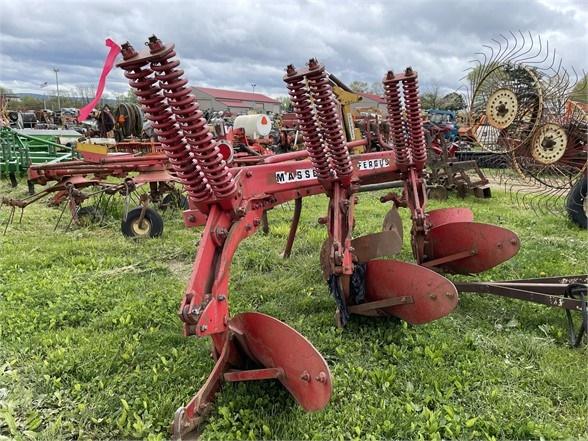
x=235, y=101
x=370, y=101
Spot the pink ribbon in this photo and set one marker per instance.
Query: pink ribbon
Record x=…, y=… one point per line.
x=108, y=64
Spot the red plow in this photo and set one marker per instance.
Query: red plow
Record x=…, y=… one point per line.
x=360, y=276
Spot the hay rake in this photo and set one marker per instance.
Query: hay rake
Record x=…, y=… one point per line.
x=138, y=179
x=254, y=346
x=521, y=106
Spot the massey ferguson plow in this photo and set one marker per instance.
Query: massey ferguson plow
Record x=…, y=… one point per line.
x=254, y=346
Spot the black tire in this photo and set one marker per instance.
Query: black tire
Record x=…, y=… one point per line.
x=174, y=201
x=152, y=223
x=89, y=215
x=576, y=203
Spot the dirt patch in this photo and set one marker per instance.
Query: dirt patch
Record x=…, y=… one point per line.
x=180, y=269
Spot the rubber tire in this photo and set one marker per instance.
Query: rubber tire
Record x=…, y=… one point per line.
x=151, y=216
x=575, y=203
x=93, y=214
x=174, y=201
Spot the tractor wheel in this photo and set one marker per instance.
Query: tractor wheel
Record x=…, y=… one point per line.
x=152, y=225
x=174, y=201
x=89, y=215
x=577, y=203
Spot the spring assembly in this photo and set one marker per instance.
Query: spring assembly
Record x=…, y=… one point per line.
x=190, y=118
x=412, y=103
x=394, y=106
x=328, y=115
x=302, y=105
x=149, y=95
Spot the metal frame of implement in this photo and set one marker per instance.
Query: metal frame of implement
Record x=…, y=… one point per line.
x=251, y=345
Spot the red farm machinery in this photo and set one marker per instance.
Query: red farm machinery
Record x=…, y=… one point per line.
x=360, y=276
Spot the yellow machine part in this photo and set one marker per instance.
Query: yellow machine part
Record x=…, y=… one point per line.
x=346, y=99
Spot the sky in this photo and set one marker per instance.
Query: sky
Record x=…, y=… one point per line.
x=234, y=44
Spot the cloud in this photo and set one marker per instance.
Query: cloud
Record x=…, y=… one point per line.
x=232, y=44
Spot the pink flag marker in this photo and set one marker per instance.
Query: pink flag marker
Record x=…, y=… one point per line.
x=108, y=64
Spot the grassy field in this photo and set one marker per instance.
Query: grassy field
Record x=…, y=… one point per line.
x=91, y=347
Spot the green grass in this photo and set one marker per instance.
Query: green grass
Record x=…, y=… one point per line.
x=91, y=347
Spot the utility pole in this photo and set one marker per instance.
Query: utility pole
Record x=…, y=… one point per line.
x=44, y=95
x=57, y=83
x=253, y=87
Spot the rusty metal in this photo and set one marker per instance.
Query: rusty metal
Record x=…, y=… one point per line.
x=395, y=119
x=412, y=104
x=566, y=292
x=359, y=284
x=188, y=115
x=433, y=296
x=293, y=227
x=383, y=244
x=309, y=125
x=443, y=216
x=147, y=89
x=475, y=247
x=331, y=126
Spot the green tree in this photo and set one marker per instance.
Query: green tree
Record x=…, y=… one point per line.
x=452, y=101
x=377, y=88
x=285, y=103
x=580, y=91
x=431, y=99
x=359, y=86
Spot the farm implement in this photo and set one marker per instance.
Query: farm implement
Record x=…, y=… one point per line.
x=254, y=346
x=104, y=178
x=18, y=150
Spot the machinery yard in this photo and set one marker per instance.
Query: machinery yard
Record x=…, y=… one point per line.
x=97, y=352
x=356, y=250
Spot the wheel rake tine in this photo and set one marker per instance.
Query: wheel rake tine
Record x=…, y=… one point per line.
x=60, y=216
x=9, y=219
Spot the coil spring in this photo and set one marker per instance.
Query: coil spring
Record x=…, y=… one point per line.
x=394, y=106
x=153, y=103
x=413, y=111
x=328, y=115
x=188, y=114
x=302, y=106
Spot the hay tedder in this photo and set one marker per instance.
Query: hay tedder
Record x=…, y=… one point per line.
x=255, y=346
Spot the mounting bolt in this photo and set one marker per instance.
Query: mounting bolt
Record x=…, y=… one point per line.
x=128, y=51
x=313, y=63
x=305, y=376
x=390, y=75
x=154, y=44
x=408, y=71
x=322, y=220
x=191, y=218
x=290, y=70
x=203, y=328
x=433, y=296
x=499, y=245
x=248, y=174
x=248, y=227
x=321, y=377
x=256, y=222
x=221, y=298
x=513, y=241
x=449, y=294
